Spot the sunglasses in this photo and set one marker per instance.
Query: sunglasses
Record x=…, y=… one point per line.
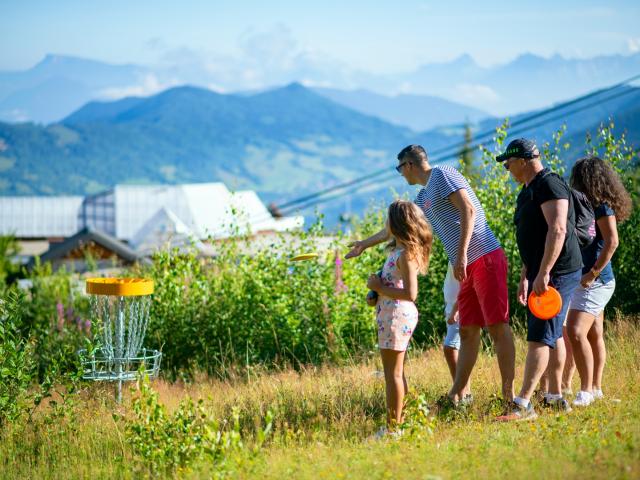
x=399, y=167
x=507, y=163
x=533, y=157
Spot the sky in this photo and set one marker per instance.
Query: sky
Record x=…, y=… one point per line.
x=378, y=37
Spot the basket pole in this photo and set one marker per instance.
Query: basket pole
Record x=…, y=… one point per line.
x=119, y=350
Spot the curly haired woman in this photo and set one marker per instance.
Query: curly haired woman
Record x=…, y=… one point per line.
x=612, y=204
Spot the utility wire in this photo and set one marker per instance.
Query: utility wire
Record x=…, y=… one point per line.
x=368, y=180
x=458, y=145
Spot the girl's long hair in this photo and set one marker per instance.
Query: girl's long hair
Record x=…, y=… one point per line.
x=601, y=184
x=408, y=225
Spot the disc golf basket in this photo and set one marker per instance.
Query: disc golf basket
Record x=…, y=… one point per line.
x=120, y=307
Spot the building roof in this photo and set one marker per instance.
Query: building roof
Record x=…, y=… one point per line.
x=39, y=217
x=165, y=230
x=86, y=236
x=207, y=209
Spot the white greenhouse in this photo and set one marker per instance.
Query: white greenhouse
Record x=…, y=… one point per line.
x=145, y=216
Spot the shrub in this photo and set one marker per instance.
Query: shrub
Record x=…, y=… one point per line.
x=17, y=364
x=166, y=443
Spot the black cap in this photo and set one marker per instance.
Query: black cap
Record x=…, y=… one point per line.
x=519, y=148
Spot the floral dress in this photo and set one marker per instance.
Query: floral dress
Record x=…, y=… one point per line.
x=397, y=319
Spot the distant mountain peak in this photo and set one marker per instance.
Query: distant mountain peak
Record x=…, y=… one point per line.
x=464, y=61
x=180, y=89
x=58, y=62
x=295, y=87
x=54, y=59
x=528, y=59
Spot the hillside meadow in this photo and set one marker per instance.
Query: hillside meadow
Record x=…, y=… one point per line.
x=271, y=369
x=323, y=419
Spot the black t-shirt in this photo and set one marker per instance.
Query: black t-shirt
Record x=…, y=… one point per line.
x=531, y=226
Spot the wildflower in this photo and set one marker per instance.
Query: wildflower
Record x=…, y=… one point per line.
x=340, y=286
x=60, y=317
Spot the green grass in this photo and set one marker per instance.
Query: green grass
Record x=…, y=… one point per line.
x=325, y=416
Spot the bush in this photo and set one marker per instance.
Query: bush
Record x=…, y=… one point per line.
x=8, y=249
x=166, y=443
x=22, y=385
x=238, y=309
x=17, y=364
x=57, y=317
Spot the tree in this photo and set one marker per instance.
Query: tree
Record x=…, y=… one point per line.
x=8, y=250
x=466, y=154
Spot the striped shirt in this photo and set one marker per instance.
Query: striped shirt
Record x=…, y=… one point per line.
x=444, y=217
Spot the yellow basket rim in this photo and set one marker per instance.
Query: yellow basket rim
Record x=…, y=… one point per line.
x=121, y=287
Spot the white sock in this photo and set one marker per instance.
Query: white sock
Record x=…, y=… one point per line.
x=554, y=396
x=521, y=402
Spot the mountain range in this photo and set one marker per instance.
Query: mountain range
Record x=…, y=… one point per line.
x=418, y=112
x=430, y=95
x=278, y=142
x=283, y=143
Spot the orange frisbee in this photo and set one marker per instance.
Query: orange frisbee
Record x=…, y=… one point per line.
x=547, y=305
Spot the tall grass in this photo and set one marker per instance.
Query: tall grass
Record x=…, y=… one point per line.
x=324, y=416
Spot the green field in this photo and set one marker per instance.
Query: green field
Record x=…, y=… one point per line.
x=324, y=419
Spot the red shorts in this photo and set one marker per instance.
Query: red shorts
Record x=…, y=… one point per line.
x=483, y=299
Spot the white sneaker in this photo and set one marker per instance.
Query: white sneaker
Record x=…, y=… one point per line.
x=597, y=394
x=583, y=399
x=466, y=400
x=381, y=433
x=384, y=433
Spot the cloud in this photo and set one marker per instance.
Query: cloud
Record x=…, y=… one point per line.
x=633, y=44
x=475, y=94
x=404, y=88
x=272, y=48
x=214, y=87
x=263, y=58
x=275, y=57
x=148, y=85
x=14, y=115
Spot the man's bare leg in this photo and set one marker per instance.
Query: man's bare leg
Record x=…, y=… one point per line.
x=506, y=353
x=469, y=346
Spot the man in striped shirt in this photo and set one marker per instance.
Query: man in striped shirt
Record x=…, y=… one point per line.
x=479, y=263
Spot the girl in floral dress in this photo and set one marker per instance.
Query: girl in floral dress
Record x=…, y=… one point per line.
x=397, y=288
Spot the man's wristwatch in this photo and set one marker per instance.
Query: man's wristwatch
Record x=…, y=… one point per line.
x=595, y=272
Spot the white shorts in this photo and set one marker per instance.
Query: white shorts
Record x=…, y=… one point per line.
x=452, y=338
x=594, y=298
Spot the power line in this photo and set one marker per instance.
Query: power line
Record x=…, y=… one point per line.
x=458, y=145
x=370, y=179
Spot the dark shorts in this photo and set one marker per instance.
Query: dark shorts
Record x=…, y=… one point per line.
x=549, y=331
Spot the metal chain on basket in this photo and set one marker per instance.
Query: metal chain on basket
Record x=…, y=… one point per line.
x=137, y=319
x=121, y=323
